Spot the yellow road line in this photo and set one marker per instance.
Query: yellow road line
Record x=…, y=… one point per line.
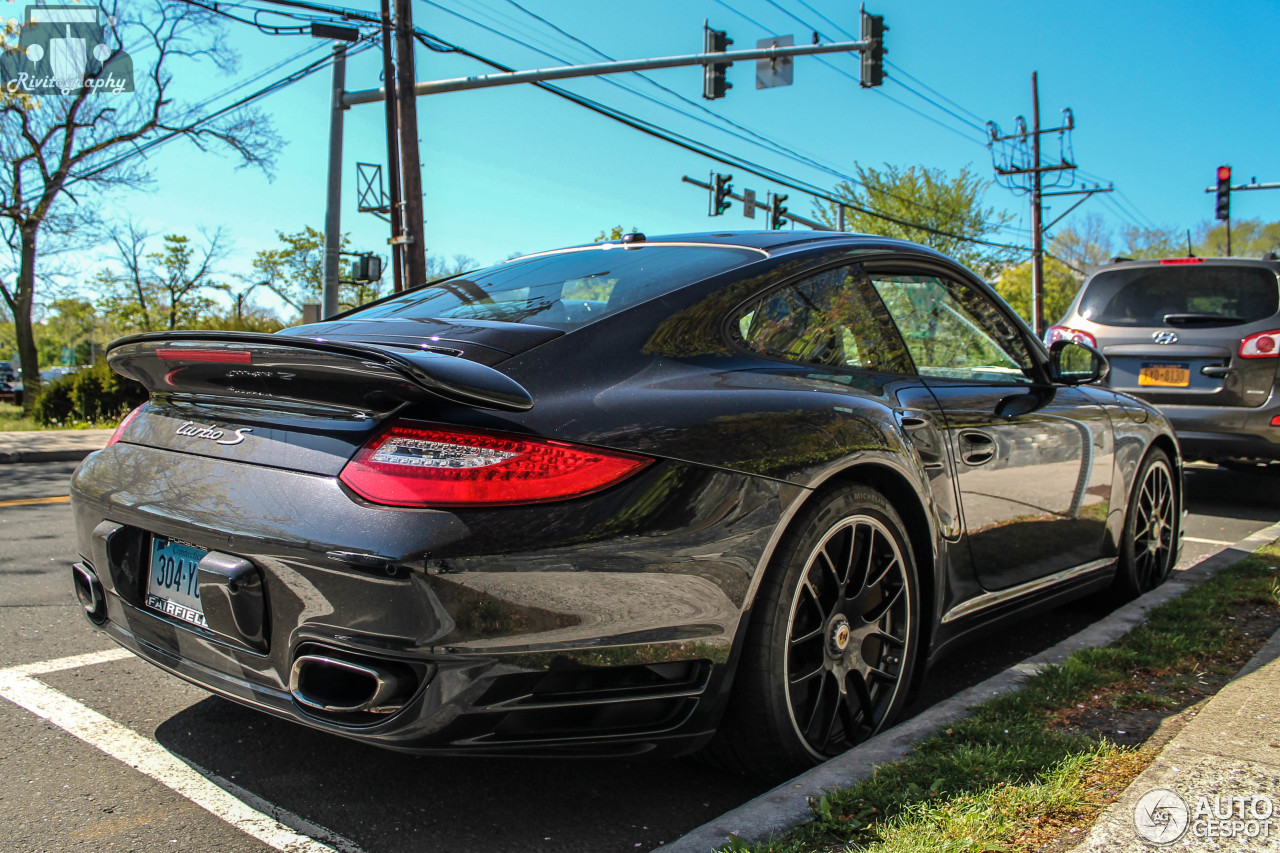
x=30, y=501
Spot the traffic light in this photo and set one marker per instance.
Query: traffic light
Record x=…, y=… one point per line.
x=366, y=268
x=777, y=213
x=720, y=190
x=873, y=56
x=713, y=83
x=1223, y=209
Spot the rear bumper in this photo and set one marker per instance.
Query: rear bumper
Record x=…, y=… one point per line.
x=1214, y=433
x=605, y=625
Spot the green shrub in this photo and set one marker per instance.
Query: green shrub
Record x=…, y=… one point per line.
x=95, y=394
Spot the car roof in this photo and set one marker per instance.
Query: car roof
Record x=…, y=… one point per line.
x=1181, y=263
x=776, y=242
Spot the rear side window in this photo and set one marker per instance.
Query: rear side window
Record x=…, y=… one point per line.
x=565, y=290
x=1194, y=293
x=832, y=319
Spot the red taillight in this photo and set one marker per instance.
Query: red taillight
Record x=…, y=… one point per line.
x=1261, y=345
x=425, y=466
x=1061, y=333
x=1172, y=261
x=1275, y=421
x=219, y=356
x=124, y=425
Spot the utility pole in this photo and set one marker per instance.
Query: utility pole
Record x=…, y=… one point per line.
x=333, y=209
x=393, y=152
x=414, y=252
x=1020, y=162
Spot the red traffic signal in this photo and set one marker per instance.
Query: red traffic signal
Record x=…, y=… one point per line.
x=1222, y=207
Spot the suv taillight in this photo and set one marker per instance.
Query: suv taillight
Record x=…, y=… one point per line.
x=1261, y=345
x=1061, y=333
x=421, y=465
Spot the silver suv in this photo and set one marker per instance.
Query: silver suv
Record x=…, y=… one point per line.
x=1197, y=337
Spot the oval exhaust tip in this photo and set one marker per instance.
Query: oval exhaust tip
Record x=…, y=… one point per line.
x=338, y=686
x=89, y=593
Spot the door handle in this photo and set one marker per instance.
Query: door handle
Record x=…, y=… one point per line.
x=1216, y=371
x=976, y=448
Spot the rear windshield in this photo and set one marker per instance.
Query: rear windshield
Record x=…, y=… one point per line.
x=1178, y=295
x=564, y=291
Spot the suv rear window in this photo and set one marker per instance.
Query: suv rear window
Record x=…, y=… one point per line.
x=1200, y=294
x=563, y=290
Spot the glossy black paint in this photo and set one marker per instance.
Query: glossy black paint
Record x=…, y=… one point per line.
x=609, y=623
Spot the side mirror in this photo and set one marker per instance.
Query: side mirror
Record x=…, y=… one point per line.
x=1072, y=363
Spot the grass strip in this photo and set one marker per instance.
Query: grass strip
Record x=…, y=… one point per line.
x=1029, y=770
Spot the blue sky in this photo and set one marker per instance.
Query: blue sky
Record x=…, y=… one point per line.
x=1162, y=92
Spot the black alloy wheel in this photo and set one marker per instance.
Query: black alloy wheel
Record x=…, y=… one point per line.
x=1150, y=543
x=834, y=636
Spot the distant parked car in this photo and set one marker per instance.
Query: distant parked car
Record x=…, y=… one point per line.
x=1197, y=337
x=52, y=374
x=7, y=373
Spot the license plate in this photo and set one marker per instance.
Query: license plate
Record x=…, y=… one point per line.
x=1165, y=375
x=171, y=584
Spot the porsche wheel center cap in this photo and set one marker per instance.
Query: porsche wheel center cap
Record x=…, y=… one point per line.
x=838, y=635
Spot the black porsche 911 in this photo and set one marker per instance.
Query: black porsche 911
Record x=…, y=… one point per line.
x=724, y=491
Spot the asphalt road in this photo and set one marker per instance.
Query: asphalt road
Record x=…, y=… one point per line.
x=59, y=793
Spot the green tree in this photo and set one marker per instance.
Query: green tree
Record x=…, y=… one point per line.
x=166, y=289
x=71, y=323
x=613, y=234
x=1143, y=243
x=294, y=271
x=58, y=150
x=929, y=198
x=1061, y=283
x=1250, y=238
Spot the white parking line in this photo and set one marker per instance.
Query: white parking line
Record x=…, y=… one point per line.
x=1217, y=542
x=74, y=662
x=18, y=685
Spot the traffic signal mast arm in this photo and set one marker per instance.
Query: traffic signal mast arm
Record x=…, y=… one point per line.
x=764, y=208
x=538, y=75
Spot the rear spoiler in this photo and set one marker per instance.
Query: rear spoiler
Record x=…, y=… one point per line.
x=253, y=368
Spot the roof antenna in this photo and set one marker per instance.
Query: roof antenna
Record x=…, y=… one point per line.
x=1190, y=254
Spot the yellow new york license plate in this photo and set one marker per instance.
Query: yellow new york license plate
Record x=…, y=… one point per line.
x=1165, y=375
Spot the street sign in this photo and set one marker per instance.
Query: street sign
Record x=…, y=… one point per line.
x=774, y=72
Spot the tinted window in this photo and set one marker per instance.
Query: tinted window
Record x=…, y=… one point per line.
x=831, y=319
x=1185, y=294
x=565, y=290
x=954, y=331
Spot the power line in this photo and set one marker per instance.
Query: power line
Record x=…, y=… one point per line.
x=721, y=156
x=759, y=140
x=275, y=86
x=903, y=72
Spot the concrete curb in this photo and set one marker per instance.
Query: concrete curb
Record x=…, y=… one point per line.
x=787, y=805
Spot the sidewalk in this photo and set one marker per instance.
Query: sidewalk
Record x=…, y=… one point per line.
x=1216, y=785
x=53, y=445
